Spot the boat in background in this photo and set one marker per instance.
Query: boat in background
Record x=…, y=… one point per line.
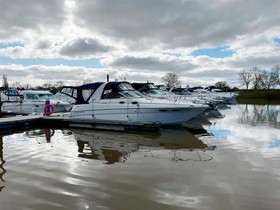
x=153, y=91
x=119, y=101
x=184, y=96
x=30, y=102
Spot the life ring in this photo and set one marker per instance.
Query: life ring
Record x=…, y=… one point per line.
x=48, y=112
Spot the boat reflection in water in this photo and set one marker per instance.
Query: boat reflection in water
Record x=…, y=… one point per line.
x=112, y=146
x=175, y=145
x=40, y=135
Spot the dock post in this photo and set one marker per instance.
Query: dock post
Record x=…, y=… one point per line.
x=47, y=110
x=0, y=106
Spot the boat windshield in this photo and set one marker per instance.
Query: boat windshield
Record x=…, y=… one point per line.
x=125, y=86
x=127, y=91
x=40, y=96
x=45, y=96
x=155, y=93
x=131, y=94
x=151, y=86
x=122, y=90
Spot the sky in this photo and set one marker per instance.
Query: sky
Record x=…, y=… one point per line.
x=78, y=41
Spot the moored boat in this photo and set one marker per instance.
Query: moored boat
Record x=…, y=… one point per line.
x=120, y=101
x=31, y=101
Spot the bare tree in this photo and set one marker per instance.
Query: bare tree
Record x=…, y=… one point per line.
x=223, y=85
x=257, y=79
x=276, y=71
x=5, y=82
x=268, y=79
x=16, y=85
x=47, y=85
x=170, y=80
x=26, y=86
x=58, y=84
x=245, y=77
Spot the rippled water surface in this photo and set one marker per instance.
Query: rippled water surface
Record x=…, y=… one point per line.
x=233, y=164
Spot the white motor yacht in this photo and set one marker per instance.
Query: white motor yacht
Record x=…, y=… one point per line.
x=31, y=101
x=120, y=101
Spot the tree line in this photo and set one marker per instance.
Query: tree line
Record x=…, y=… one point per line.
x=171, y=80
x=257, y=78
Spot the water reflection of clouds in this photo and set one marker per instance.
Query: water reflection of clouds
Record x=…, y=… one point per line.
x=179, y=200
x=249, y=128
x=275, y=143
x=220, y=134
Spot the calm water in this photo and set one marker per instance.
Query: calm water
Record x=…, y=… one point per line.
x=234, y=164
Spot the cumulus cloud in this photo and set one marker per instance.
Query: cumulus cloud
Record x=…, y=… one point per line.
x=83, y=47
x=23, y=17
x=39, y=74
x=178, y=23
x=160, y=63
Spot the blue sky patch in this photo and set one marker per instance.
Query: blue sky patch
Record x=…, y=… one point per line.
x=89, y=63
x=218, y=52
x=277, y=40
x=10, y=44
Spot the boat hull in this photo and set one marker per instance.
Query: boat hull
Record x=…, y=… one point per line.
x=164, y=115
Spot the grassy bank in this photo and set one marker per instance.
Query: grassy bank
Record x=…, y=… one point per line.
x=259, y=96
x=264, y=94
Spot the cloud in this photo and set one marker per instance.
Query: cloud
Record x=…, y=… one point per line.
x=39, y=74
x=44, y=44
x=174, y=24
x=24, y=17
x=83, y=47
x=153, y=63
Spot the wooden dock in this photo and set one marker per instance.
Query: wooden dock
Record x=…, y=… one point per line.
x=18, y=121
x=63, y=120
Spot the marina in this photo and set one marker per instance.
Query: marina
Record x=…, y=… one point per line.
x=140, y=105
x=164, y=151
x=235, y=158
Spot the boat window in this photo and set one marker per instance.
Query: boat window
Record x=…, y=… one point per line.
x=110, y=94
x=131, y=94
x=125, y=86
x=31, y=96
x=154, y=92
x=12, y=93
x=45, y=96
x=75, y=93
x=151, y=86
x=67, y=91
x=87, y=93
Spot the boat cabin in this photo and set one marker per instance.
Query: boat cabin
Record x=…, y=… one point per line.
x=119, y=90
x=149, y=89
x=87, y=93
